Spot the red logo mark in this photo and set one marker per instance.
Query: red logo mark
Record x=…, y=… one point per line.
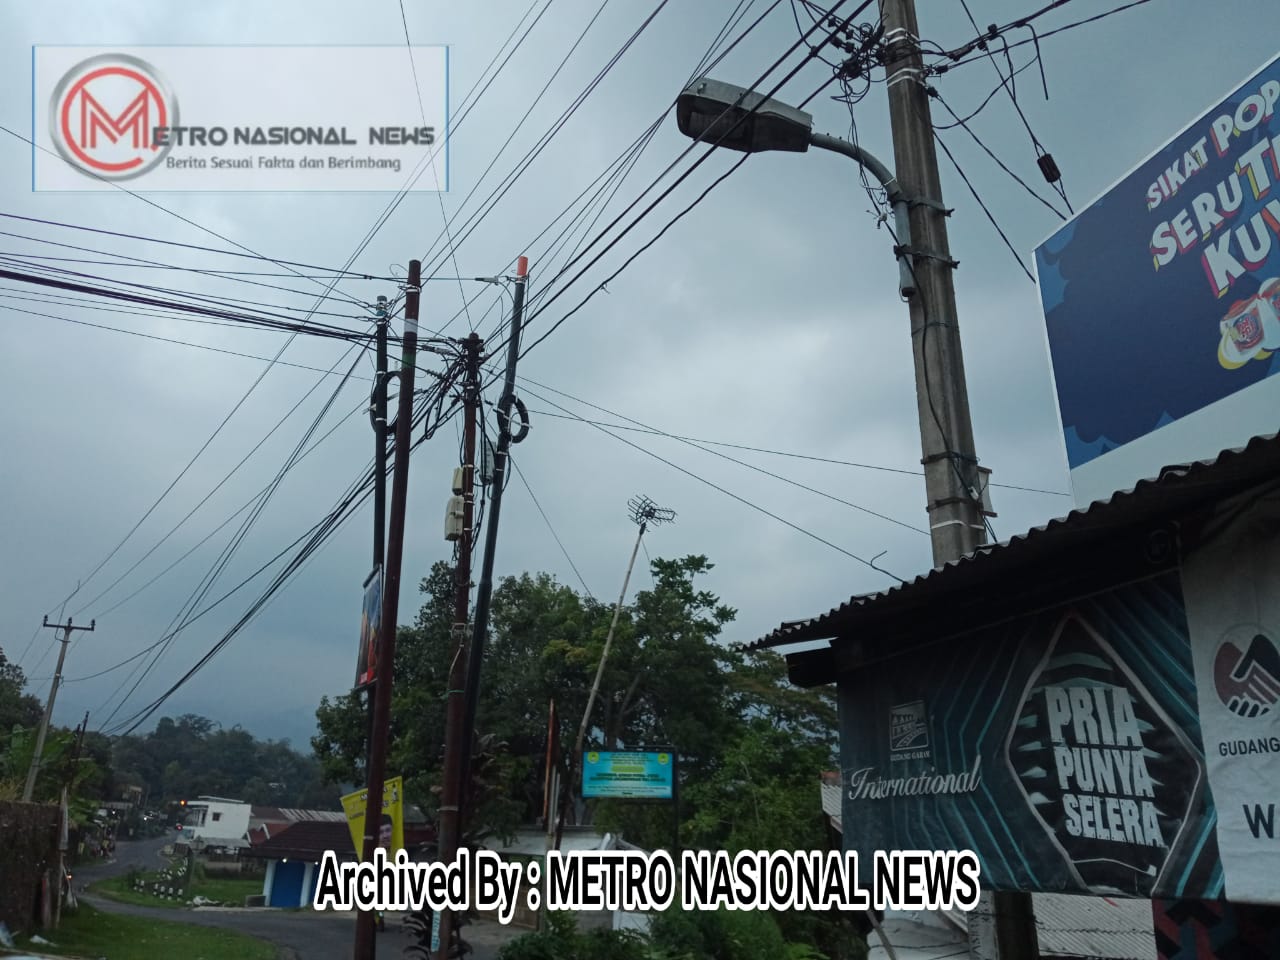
x=104, y=112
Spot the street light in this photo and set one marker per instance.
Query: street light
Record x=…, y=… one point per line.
x=726, y=115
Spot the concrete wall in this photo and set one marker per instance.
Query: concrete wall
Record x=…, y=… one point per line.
x=28, y=848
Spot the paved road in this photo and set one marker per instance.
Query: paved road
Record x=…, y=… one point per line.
x=302, y=935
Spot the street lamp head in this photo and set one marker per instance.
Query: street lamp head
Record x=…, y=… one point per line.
x=729, y=116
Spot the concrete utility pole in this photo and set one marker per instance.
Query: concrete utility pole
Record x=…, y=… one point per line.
x=956, y=522
x=34, y=771
x=450, y=819
x=364, y=943
x=952, y=482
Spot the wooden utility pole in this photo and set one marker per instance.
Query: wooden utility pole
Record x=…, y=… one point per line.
x=450, y=819
x=364, y=943
x=957, y=524
x=34, y=771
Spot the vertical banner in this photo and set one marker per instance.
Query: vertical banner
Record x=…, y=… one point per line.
x=391, y=827
x=370, y=620
x=1231, y=581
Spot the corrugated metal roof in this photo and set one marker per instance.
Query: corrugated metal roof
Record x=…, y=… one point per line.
x=1176, y=488
x=1094, y=927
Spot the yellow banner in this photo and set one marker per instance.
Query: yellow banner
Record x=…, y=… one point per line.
x=391, y=829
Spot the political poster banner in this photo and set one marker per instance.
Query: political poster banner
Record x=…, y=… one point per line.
x=391, y=822
x=1231, y=581
x=370, y=622
x=1063, y=748
x=1162, y=299
x=628, y=774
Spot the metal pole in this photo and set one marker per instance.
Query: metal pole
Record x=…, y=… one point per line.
x=956, y=522
x=364, y=945
x=576, y=756
x=29, y=789
x=484, y=590
x=450, y=821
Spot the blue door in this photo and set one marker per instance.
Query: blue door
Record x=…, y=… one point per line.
x=286, y=886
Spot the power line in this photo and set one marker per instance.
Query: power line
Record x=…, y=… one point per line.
x=550, y=527
x=715, y=486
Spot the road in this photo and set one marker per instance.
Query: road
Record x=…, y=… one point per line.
x=301, y=935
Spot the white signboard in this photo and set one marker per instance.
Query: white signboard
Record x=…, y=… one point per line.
x=333, y=119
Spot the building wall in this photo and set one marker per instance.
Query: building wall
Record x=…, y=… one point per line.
x=28, y=848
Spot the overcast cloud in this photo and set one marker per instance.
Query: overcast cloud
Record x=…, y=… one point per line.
x=768, y=317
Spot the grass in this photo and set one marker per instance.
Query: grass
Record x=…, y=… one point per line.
x=227, y=890
x=90, y=933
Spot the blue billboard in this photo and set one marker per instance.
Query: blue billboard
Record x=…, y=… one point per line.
x=1162, y=299
x=628, y=774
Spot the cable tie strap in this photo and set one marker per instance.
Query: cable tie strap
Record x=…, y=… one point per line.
x=930, y=203
x=923, y=254
x=949, y=455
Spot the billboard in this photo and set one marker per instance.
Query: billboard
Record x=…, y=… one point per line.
x=628, y=775
x=391, y=828
x=239, y=118
x=1162, y=300
x=370, y=621
x=1122, y=744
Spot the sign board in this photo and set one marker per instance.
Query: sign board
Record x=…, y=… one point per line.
x=370, y=621
x=1162, y=300
x=628, y=774
x=239, y=118
x=391, y=826
x=1122, y=744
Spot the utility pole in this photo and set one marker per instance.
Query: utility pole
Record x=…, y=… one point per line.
x=62, y=825
x=484, y=590
x=957, y=524
x=33, y=772
x=643, y=512
x=364, y=943
x=450, y=819
x=379, y=411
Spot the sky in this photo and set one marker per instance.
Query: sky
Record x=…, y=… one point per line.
x=767, y=317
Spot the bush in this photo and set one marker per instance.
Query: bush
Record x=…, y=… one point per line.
x=562, y=941
x=722, y=935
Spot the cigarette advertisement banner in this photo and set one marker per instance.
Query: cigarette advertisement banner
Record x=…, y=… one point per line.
x=1124, y=744
x=1162, y=298
x=628, y=774
x=239, y=118
x=391, y=823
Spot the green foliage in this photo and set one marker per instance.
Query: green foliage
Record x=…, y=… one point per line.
x=192, y=756
x=87, y=932
x=560, y=940
x=718, y=935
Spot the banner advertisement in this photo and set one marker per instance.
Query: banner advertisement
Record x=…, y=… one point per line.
x=1064, y=749
x=1231, y=581
x=391, y=826
x=370, y=621
x=1162, y=300
x=631, y=775
x=240, y=118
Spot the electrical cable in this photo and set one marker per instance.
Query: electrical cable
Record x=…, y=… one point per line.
x=715, y=486
x=550, y=527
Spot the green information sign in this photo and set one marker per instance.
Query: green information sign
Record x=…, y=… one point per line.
x=630, y=775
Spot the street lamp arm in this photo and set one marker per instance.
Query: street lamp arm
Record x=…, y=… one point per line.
x=897, y=201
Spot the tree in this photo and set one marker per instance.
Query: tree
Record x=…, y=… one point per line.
x=17, y=708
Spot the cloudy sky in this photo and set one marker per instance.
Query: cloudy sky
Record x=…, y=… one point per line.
x=766, y=317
